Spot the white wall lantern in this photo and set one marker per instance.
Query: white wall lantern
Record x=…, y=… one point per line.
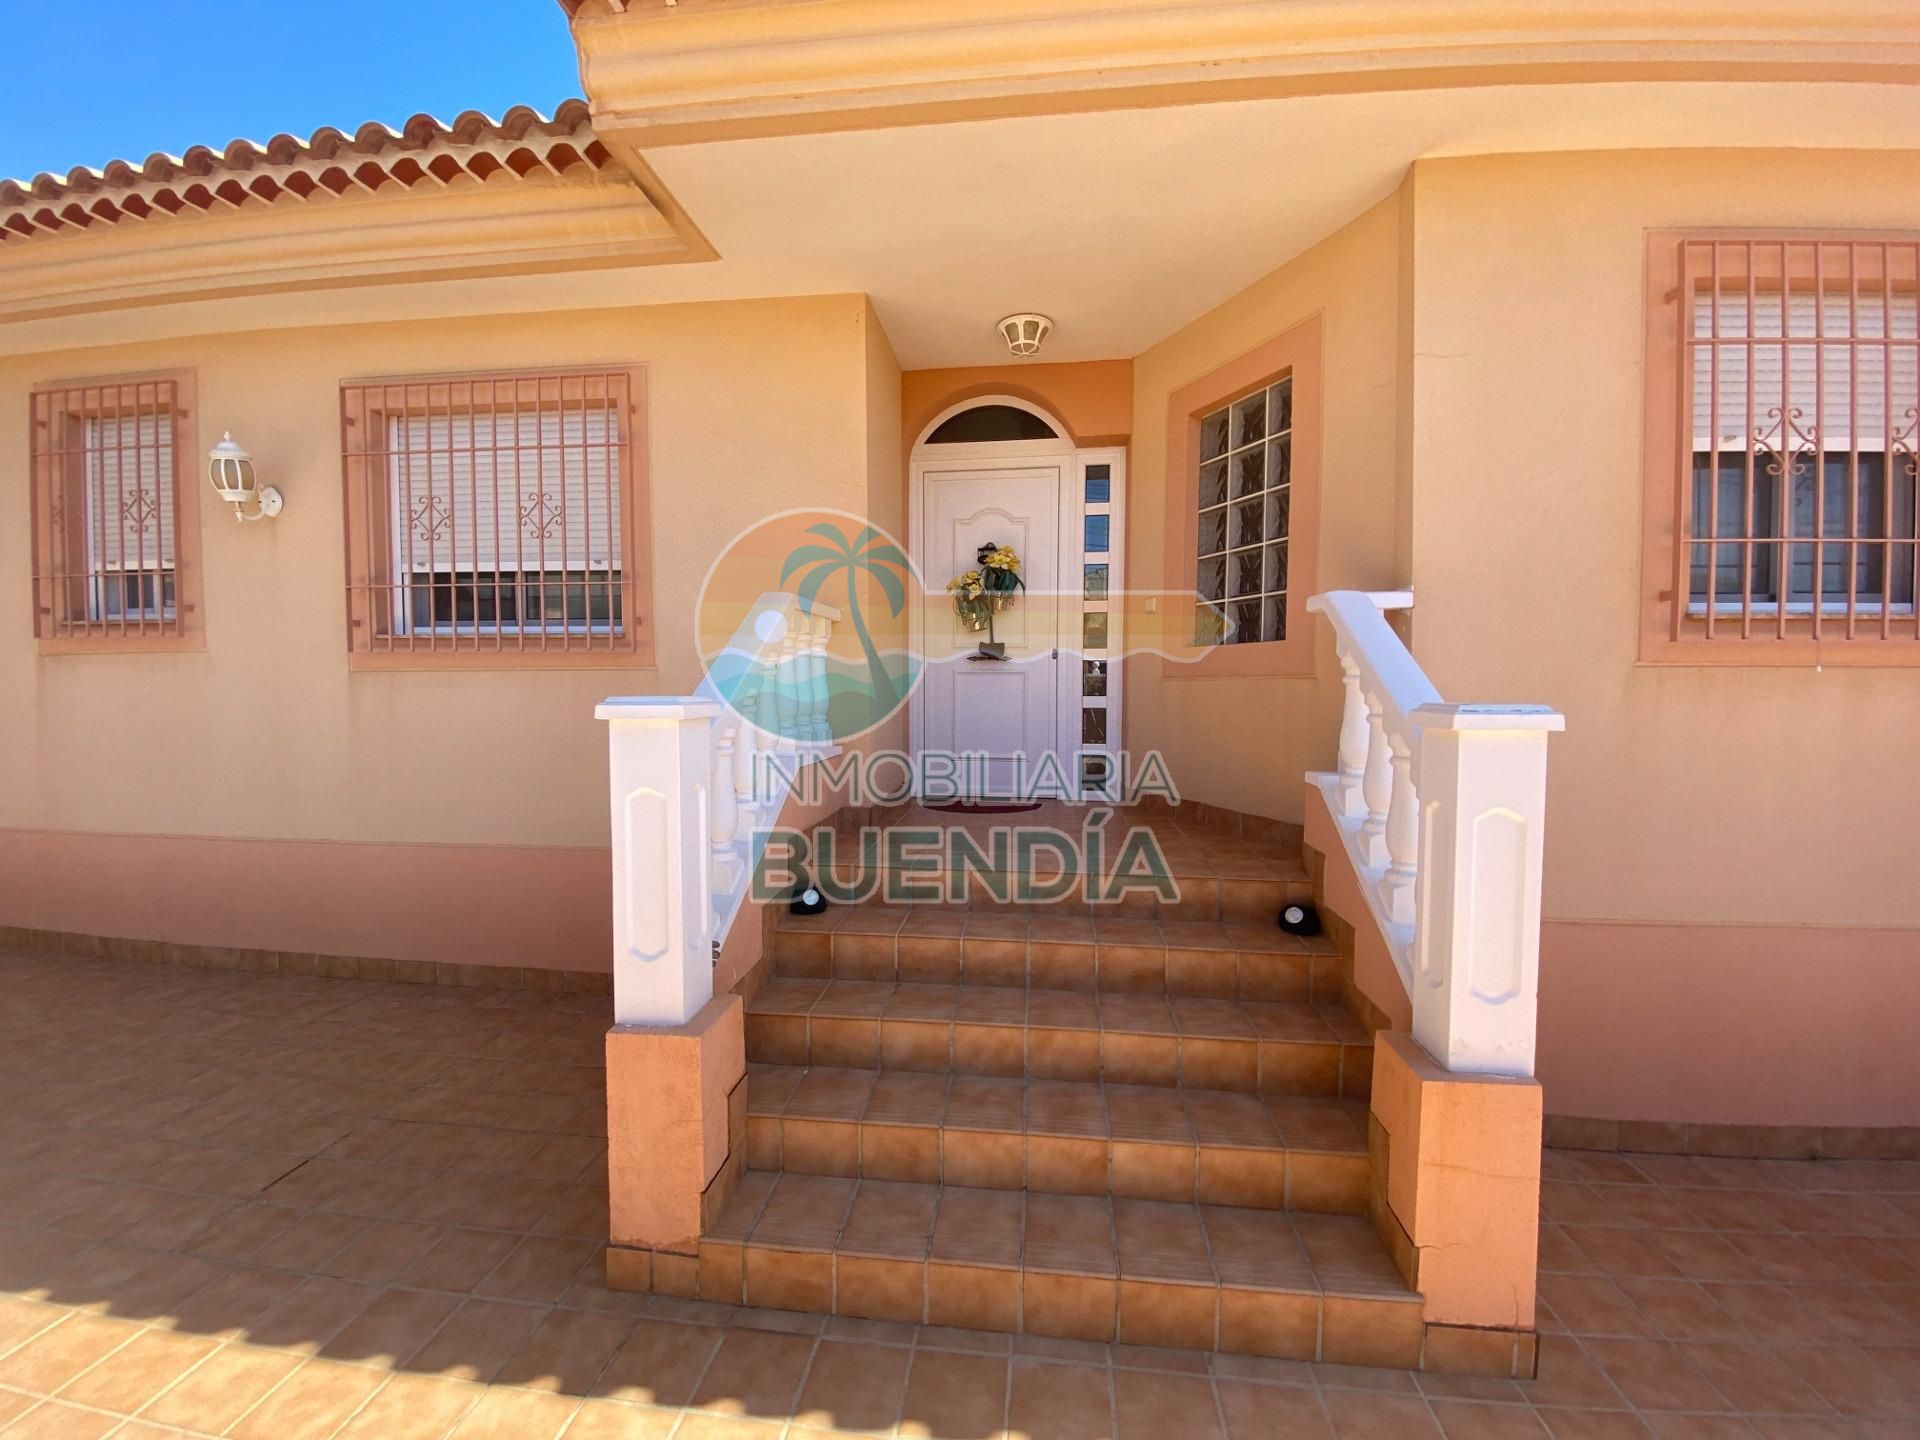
x=230, y=470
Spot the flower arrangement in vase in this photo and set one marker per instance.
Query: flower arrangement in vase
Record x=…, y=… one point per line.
x=978, y=593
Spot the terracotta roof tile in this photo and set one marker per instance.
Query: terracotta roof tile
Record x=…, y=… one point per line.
x=423, y=152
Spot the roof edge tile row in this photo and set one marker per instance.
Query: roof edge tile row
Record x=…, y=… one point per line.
x=424, y=150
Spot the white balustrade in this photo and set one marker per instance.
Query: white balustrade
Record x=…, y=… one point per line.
x=819, y=629
x=1442, y=809
x=691, y=788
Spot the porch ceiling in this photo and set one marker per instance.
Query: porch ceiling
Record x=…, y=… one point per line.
x=1125, y=225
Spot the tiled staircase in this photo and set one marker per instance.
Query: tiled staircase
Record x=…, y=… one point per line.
x=1150, y=1130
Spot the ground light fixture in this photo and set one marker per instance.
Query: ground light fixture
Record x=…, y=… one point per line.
x=1026, y=332
x=230, y=471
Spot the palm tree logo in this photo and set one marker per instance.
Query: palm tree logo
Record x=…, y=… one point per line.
x=869, y=553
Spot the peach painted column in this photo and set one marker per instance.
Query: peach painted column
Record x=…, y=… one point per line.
x=668, y=1132
x=1460, y=1203
x=677, y=1052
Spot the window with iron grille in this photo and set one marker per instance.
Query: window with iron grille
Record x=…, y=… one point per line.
x=113, y=521
x=1245, y=496
x=495, y=515
x=1790, y=438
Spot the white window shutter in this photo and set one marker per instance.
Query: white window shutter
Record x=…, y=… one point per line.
x=1821, y=381
x=129, y=493
x=523, y=491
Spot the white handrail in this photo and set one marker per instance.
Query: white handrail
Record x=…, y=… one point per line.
x=1442, y=810
x=693, y=787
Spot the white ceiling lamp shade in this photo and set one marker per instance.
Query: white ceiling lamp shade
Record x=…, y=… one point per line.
x=1026, y=332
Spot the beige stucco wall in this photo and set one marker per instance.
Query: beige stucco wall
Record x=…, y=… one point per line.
x=267, y=734
x=1679, y=793
x=1682, y=799
x=886, y=498
x=1245, y=742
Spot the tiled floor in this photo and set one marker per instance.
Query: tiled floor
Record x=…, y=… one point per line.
x=277, y=1207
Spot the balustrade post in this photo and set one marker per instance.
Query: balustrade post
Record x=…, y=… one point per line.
x=786, y=680
x=816, y=642
x=726, y=805
x=1403, y=838
x=766, y=738
x=1352, y=762
x=1476, y=963
x=1376, y=786
x=744, y=747
x=660, y=774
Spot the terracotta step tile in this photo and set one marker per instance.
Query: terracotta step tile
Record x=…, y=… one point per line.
x=1243, y=1046
x=1162, y=1242
x=742, y=1210
x=1318, y=1124
x=825, y=1094
x=1123, y=956
x=1223, y=1119
x=804, y=1212
x=1136, y=1015
x=922, y=1002
x=905, y=1098
x=1220, y=880
x=853, y=999
x=976, y=1005
x=977, y=1102
x=1062, y=1010
x=1148, y=1113
x=1063, y=1137
x=1347, y=1256
x=1070, y=1233
x=871, y=919
x=1065, y=1108
x=1076, y=1267
x=1256, y=1249
x=890, y=1220
x=979, y=1227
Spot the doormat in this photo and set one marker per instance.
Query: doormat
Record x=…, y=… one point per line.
x=985, y=807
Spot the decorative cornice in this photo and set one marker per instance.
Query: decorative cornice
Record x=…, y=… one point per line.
x=423, y=155
x=661, y=73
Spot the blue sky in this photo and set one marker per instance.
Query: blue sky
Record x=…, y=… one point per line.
x=199, y=72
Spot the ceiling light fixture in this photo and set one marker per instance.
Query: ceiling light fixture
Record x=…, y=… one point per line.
x=1026, y=332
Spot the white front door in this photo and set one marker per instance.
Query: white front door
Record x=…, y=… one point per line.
x=1007, y=710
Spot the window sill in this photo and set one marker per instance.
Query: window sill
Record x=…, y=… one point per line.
x=529, y=659
x=1863, y=651
x=189, y=643
x=1269, y=660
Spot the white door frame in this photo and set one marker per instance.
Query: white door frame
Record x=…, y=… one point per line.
x=1071, y=527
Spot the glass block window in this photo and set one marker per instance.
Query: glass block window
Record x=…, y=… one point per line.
x=1096, y=775
x=1098, y=693
x=1245, y=495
